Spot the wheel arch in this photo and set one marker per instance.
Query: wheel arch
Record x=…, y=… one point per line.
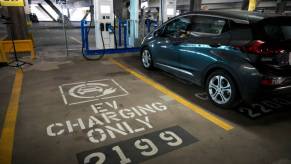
x=222, y=67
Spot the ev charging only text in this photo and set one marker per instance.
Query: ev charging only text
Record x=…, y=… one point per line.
x=109, y=121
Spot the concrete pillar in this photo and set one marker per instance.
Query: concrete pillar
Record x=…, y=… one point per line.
x=118, y=6
x=19, y=24
x=161, y=7
x=195, y=5
x=134, y=21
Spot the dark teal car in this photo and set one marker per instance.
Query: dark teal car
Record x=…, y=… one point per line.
x=234, y=55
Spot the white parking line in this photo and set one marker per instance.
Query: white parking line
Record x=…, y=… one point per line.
x=75, y=39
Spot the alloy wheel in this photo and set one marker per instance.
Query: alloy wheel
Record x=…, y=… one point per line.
x=146, y=59
x=219, y=89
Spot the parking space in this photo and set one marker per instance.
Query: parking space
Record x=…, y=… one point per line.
x=84, y=112
x=117, y=82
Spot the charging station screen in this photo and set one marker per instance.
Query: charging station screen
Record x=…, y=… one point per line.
x=105, y=9
x=170, y=11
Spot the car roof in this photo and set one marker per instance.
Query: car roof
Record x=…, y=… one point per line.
x=237, y=15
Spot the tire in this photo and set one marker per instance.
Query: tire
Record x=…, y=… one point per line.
x=146, y=59
x=222, y=90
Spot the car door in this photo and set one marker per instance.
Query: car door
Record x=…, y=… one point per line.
x=166, y=52
x=205, y=36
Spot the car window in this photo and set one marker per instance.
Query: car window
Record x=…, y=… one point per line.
x=239, y=31
x=278, y=32
x=205, y=26
x=194, y=26
x=177, y=27
x=275, y=29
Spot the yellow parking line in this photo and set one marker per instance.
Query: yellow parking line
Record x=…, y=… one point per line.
x=195, y=108
x=7, y=135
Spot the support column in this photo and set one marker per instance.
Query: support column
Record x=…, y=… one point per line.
x=195, y=5
x=161, y=10
x=134, y=20
x=19, y=25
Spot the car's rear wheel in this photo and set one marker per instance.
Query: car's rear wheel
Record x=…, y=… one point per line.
x=146, y=59
x=221, y=89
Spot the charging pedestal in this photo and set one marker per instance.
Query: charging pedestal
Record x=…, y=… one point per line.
x=104, y=21
x=105, y=33
x=167, y=10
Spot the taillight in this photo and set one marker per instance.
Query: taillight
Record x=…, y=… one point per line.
x=259, y=47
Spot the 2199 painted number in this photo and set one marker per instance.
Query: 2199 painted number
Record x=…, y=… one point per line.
x=145, y=146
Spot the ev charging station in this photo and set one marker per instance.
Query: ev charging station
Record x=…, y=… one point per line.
x=104, y=20
x=127, y=30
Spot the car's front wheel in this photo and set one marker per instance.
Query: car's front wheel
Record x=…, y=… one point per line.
x=221, y=89
x=146, y=59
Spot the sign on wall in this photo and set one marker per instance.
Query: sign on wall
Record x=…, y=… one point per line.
x=11, y=3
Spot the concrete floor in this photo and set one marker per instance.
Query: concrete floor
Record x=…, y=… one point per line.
x=54, y=129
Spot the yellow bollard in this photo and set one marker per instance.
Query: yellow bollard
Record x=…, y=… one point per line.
x=4, y=58
x=252, y=5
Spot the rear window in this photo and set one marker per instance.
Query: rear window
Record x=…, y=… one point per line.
x=275, y=29
x=278, y=32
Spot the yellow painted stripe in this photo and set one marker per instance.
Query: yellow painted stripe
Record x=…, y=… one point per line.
x=195, y=108
x=7, y=135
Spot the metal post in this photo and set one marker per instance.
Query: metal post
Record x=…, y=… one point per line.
x=148, y=23
x=161, y=11
x=65, y=31
x=84, y=34
x=119, y=31
x=125, y=34
x=134, y=9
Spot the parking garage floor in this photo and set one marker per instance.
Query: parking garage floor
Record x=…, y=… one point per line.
x=113, y=111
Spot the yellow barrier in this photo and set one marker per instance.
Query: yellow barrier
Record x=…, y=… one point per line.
x=3, y=56
x=20, y=46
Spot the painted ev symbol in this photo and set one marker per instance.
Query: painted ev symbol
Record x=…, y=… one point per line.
x=91, y=90
x=86, y=91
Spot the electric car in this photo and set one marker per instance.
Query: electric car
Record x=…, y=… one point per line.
x=235, y=55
